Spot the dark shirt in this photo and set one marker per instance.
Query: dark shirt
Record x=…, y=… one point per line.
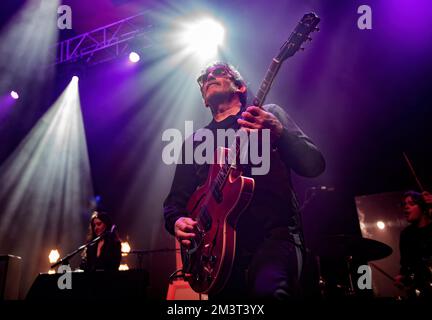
x=109, y=258
x=416, y=253
x=273, y=203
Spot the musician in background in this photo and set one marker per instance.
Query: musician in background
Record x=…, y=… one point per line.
x=416, y=243
x=106, y=253
x=266, y=264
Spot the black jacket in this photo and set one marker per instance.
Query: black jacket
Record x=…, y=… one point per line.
x=416, y=253
x=109, y=258
x=274, y=202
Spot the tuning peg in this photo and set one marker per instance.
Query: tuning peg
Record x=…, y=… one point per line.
x=317, y=29
x=309, y=38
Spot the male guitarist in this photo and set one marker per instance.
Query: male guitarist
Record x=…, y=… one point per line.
x=266, y=264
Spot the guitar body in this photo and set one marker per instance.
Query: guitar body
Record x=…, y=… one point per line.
x=208, y=261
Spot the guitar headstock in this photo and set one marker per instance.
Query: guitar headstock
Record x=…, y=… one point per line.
x=301, y=33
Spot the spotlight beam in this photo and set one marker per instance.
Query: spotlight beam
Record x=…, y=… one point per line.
x=45, y=185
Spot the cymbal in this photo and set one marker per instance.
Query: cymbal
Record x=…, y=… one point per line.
x=360, y=248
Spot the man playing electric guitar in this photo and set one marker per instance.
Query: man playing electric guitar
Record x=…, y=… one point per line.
x=265, y=264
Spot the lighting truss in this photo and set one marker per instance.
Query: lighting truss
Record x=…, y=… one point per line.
x=105, y=43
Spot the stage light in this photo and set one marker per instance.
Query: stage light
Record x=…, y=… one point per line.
x=49, y=172
x=380, y=225
x=54, y=256
x=203, y=37
x=14, y=95
x=125, y=248
x=27, y=40
x=134, y=57
x=75, y=79
x=123, y=267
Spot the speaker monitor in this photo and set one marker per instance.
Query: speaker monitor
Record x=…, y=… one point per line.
x=10, y=277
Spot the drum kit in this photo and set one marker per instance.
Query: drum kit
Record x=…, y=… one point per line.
x=338, y=259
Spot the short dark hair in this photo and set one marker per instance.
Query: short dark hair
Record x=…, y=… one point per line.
x=417, y=198
x=238, y=79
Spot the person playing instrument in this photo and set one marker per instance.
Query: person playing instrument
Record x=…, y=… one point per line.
x=265, y=264
x=106, y=253
x=416, y=243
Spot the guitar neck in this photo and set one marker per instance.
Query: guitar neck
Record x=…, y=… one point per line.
x=267, y=82
x=258, y=101
x=289, y=48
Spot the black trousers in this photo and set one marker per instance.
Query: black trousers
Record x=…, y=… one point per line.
x=270, y=273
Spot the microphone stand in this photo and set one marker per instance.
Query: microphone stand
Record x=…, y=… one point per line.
x=65, y=259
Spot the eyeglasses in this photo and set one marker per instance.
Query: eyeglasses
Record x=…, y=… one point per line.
x=217, y=72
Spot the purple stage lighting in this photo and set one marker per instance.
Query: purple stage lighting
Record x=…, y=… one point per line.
x=134, y=57
x=14, y=95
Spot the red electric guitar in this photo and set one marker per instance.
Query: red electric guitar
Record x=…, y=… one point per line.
x=218, y=203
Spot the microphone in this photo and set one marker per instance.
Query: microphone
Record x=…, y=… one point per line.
x=323, y=188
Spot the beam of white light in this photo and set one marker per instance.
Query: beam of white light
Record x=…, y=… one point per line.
x=26, y=46
x=169, y=90
x=203, y=37
x=45, y=185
